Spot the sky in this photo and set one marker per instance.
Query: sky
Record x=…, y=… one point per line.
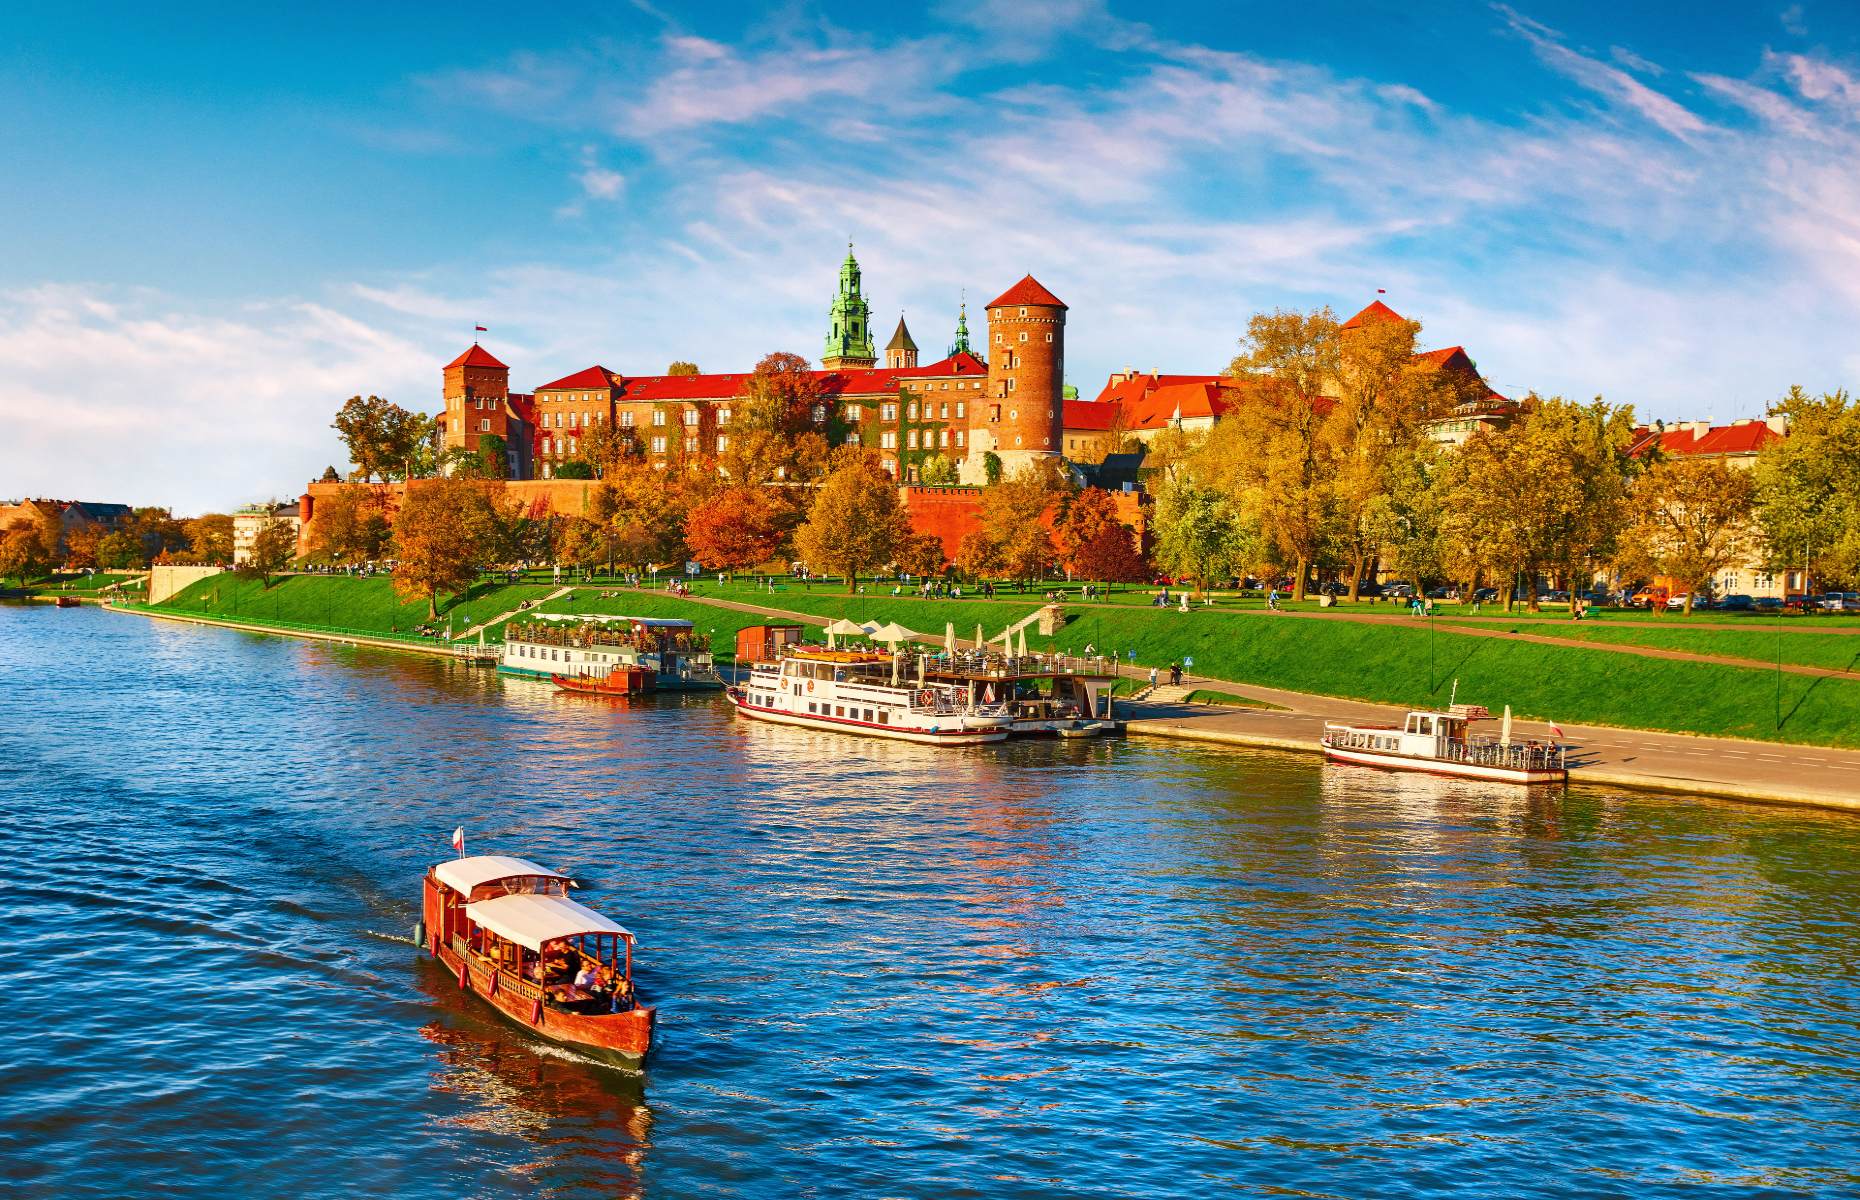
x=217, y=223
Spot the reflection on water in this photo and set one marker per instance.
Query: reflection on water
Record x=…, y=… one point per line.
x=1131, y=968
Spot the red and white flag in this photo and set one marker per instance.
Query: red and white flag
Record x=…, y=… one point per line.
x=458, y=840
x=1555, y=729
x=481, y=329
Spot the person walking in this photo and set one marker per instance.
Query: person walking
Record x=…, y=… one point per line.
x=1152, y=678
x=1175, y=674
x=1272, y=599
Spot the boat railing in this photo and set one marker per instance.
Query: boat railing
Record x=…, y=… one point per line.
x=1482, y=752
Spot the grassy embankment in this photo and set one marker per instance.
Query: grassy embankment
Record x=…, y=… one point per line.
x=79, y=584
x=1390, y=662
x=1386, y=662
x=339, y=604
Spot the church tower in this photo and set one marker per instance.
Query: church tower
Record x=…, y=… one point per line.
x=849, y=338
x=902, y=352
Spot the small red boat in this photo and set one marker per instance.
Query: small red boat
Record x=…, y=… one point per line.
x=621, y=681
x=507, y=930
x=69, y=602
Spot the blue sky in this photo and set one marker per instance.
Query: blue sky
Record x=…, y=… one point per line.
x=218, y=223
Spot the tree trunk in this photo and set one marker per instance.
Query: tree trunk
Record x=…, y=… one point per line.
x=1356, y=576
x=1504, y=596
x=1298, y=581
x=432, y=604
x=852, y=583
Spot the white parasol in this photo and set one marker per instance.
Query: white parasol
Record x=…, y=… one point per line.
x=980, y=641
x=1504, y=730
x=892, y=633
x=845, y=628
x=949, y=637
x=1022, y=652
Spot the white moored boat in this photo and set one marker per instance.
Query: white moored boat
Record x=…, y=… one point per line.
x=861, y=691
x=1439, y=742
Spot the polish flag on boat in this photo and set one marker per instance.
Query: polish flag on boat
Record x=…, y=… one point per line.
x=458, y=840
x=1555, y=729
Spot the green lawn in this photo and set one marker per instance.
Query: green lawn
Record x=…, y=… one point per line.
x=367, y=606
x=85, y=584
x=1837, y=651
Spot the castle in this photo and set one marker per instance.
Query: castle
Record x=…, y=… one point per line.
x=1006, y=402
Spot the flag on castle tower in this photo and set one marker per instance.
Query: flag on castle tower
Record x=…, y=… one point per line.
x=480, y=329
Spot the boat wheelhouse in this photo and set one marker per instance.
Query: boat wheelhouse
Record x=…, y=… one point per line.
x=677, y=657
x=869, y=693
x=1440, y=742
x=508, y=931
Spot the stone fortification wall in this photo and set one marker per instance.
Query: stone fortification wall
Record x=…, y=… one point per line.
x=539, y=498
x=165, y=581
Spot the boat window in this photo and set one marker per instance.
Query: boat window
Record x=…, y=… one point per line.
x=810, y=706
x=1427, y=724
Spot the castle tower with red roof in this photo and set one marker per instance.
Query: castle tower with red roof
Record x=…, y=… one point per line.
x=477, y=392
x=1019, y=418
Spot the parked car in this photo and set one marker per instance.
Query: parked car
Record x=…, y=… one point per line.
x=1369, y=587
x=1676, y=602
x=1800, y=603
x=1835, y=602
x=1649, y=598
x=1403, y=590
x=1556, y=596
x=1444, y=593
x=1737, y=602
x=1767, y=604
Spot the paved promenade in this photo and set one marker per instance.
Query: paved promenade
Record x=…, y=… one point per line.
x=1671, y=762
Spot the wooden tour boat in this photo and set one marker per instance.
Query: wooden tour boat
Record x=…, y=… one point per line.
x=1439, y=742
x=506, y=928
x=620, y=681
x=69, y=602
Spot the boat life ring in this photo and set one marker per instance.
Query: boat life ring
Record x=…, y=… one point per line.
x=810, y=685
x=926, y=697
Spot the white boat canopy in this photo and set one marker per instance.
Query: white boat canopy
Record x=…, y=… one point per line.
x=464, y=874
x=891, y=633
x=531, y=920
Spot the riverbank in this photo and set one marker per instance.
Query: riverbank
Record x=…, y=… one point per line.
x=1361, y=657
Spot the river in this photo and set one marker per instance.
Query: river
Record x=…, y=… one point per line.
x=1128, y=968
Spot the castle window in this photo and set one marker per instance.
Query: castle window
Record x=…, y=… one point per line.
x=658, y=417
x=626, y=420
x=574, y=420
x=913, y=439
x=1023, y=312
x=888, y=412
x=913, y=410
x=723, y=416
x=484, y=426
x=1049, y=335
x=1023, y=335
x=854, y=412
x=1013, y=414
x=888, y=440
x=943, y=409
x=723, y=442
x=997, y=339
x=691, y=416
x=942, y=437
x=658, y=445
x=820, y=414
x=1011, y=385
x=690, y=445
x=959, y=407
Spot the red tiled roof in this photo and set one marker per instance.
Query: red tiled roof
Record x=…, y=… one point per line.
x=477, y=356
x=1450, y=356
x=1743, y=437
x=1028, y=291
x=592, y=377
x=1377, y=311
x=1138, y=385
x=870, y=382
x=1089, y=415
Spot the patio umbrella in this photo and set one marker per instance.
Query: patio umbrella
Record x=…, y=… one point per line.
x=949, y=637
x=1504, y=733
x=844, y=628
x=980, y=641
x=1022, y=652
x=892, y=633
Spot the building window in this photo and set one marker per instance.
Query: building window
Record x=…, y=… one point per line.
x=852, y=439
x=658, y=416
x=484, y=426
x=997, y=339
x=723, y=416
x=959, y=437
x=913, y=410
x=888, y=440
x=1023, y=335
x=658, y=445
x=943, y=409
x=723, y=442
x=854, y=412
x=1023, y=312
x=1049, y=335
x=942, y=437
x=1763, y=579
x=888, y=412
x=960, y=407
x=891, y=465
x=626, y=420
x=913, y=439
x=690, y=445
x=1011, y=385
x=691, y=416
x=574, y=420
x=820, y=414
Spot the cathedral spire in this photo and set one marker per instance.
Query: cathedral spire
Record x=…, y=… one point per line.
x=961, y=344
x=849, y=336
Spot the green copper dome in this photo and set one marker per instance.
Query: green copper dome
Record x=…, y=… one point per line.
x=849, y=337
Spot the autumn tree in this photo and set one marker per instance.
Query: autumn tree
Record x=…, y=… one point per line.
x=384, y=440
x=1281, y=470
x=781, y=424
x=920, y=555
x=439, y=542
x=645, y=508
x=738, y=528
x=349, y=527
x=22, y=556
x=605, y=446
x=682, y=367
x=49, y=528
x=1690, y=519
x=1808, y=486
x=273, y=548
x=1547, y=494
x=1093, y=544
x=579, y=541
x=123, y=550
x=939, y=470
x=856, y=522
x=157, y=530
x=977, y=555
x=81, y=546
x=1201, y=535
x=210, y=537
x=1014, y=518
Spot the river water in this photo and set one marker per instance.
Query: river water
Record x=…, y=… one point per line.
x=1133, y=968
